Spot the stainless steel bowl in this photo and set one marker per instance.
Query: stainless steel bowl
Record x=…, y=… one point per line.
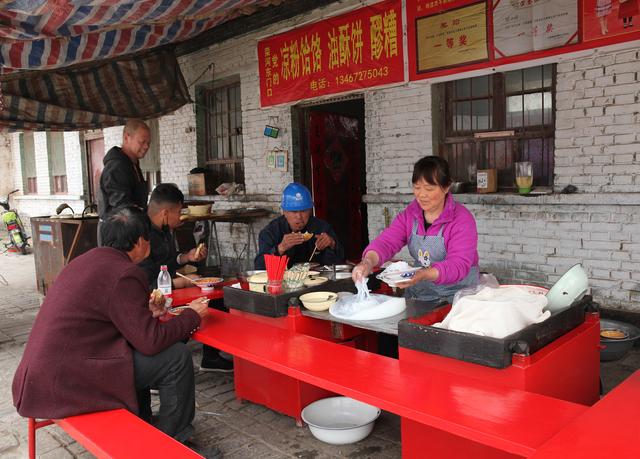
x=614, y=349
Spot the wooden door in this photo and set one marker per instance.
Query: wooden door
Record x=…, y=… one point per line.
x=337, y=172
x=95, y=155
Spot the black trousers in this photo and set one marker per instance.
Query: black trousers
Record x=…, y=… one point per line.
x=211, y=354
x=171, y=371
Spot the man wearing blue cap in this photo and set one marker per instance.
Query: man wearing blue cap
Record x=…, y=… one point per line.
x=296, y=233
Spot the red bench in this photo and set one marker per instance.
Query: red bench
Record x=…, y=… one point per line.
x=610, y=428
x=467, y=415
x=115, y=434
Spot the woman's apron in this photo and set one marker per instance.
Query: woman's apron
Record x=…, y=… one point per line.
x=426, y=250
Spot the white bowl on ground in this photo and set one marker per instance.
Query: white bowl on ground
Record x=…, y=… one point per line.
x=340, y=420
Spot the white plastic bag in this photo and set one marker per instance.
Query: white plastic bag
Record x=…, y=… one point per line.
x=348, y=305
x=366, y=306
x=485, y=280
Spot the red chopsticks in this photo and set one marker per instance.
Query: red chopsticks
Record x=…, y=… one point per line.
x=275, y=266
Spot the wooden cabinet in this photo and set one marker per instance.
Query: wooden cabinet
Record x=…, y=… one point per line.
x=57, y=241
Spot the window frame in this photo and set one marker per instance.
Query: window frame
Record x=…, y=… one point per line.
x=29, y=182
x=58, y=182
x=230, y=165
x=516, y=141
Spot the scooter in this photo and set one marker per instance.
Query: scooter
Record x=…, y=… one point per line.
x=17, y=235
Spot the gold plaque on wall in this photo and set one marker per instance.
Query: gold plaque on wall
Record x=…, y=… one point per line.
x=452, y=38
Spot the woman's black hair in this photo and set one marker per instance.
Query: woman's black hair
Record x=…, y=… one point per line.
x=434, y=170
x=122, y=228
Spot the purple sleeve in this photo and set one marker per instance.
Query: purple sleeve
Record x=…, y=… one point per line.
x=461, y=239
x=392, y=239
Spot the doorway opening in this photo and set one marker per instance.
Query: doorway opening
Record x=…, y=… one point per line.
x=329, y=142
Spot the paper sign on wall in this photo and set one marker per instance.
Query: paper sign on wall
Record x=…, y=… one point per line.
x=524, y=26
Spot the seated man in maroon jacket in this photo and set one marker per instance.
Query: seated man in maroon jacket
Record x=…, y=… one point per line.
x=96, y=339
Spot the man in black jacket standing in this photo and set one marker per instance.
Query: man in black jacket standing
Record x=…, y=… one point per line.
x=122, y=182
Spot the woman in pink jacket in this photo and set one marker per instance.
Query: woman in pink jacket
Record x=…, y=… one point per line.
x=440, y=233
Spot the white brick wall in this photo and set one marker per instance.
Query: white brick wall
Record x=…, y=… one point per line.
x=6, y=166
x=597, y=118
x=398, y=133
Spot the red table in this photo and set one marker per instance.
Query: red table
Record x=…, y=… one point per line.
x=182, y=296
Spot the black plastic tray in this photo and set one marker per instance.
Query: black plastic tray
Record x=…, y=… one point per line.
x=269, y=305
x=484, y=350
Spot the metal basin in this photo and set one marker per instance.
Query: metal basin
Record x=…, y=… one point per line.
x=614, y=349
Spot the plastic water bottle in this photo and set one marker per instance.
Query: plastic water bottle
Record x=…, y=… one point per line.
x=164, y=281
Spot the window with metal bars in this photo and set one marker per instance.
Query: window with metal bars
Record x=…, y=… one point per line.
x=493, y=121
x=220, y=132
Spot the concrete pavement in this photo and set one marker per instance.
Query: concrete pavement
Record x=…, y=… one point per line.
x=240, y=430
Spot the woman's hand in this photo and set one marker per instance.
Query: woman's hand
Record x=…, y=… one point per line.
x=361, y=270
x=425, y=274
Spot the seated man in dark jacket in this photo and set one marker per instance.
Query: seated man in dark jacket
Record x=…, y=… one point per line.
x=296, y=233
x=164, y=209
x=97, y=339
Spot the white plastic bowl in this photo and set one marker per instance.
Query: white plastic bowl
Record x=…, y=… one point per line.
x=571, y=287
x=340, y=420
x=318, y=301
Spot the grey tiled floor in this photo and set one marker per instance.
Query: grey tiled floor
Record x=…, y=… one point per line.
x=241, y=430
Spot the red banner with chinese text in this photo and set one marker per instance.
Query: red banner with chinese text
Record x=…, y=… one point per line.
x=360, y=49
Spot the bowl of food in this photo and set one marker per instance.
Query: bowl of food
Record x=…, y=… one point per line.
x=258, y=282
x=340, y=420
x=199, y=209
x=207, y=284
x=318, y=301
x=312, y=281
x=616, y=338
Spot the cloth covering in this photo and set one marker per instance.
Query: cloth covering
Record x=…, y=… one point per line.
x=496, y=312
x=104, y=94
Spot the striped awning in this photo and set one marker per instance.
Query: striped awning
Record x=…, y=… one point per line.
x=88, y=64
x=47, y=34
x=95, y=95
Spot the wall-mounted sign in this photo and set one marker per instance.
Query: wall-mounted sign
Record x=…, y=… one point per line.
x=277, y=159
x=453, y=37
x=524, y=26
x=517, y=31
x=360, y=49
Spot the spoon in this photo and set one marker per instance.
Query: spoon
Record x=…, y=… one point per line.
x=320, y=300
